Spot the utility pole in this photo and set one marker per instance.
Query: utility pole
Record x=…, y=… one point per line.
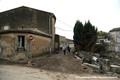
x=50, y=33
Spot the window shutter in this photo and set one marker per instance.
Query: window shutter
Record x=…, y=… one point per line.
x=25, y=43
x=16, y=42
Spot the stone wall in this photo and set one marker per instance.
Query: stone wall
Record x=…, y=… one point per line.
x=8, y=45
x=114, y=43
x=26, y=17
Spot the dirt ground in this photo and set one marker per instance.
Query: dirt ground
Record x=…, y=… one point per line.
x=13, y=72
x=54, y=67
x=61, y=63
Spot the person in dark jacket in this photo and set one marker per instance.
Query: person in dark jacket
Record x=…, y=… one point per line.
x=68, y=48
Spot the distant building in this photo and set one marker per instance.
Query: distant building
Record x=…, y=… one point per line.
x=115, y=39
x=71, y=44
x=61, y=41
x=57, y=43
x=102, y=39
x=18, y=24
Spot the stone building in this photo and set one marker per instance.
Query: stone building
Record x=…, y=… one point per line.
x=102, y=39
x=61, y=41
x=115, y=39
x=18, y=24
x=57, y=43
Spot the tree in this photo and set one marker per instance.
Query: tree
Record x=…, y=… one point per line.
x=102, y=33
x=85, y=36
x=78, y=30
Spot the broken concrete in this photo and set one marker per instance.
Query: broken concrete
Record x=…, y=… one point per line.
x=106, y=65
x=115, y=68
x=92, y=65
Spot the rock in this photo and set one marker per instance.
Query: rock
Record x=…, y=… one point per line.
x=29, y=63
x=106, y=65
x=96, y=55
x=19, y=56
x=109, y=73
x=23, y=61
x=4, y=44
x=115, y=75
x=77, y=57
x=91, y=65
x=94, y=58
x=115, y=68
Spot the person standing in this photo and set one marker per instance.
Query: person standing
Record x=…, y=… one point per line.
x=68, y=48
x=64, y=49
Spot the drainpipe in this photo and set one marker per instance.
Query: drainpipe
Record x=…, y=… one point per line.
x=50, y=32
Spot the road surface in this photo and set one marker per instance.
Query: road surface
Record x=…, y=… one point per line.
x=16, y=72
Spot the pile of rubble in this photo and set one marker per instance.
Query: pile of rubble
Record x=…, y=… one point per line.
x=61, y=63
x=100, y=64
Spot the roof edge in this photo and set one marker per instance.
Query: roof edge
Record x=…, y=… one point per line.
x=52, y=14
x=115, y=29
x=25, y=31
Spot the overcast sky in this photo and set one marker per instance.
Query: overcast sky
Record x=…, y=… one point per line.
x=104, y=14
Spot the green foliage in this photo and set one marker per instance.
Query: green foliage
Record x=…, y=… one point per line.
x=78, y=31
x=102, y=33
x=85, y=36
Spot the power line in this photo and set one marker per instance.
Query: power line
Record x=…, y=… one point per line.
x=63, y=29
x=64, y=23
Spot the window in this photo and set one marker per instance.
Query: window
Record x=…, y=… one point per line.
x=118, y=33
x=118, y=40
x=21, y=43
x=116, y=48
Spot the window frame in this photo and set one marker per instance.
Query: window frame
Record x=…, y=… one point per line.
x=20, y=48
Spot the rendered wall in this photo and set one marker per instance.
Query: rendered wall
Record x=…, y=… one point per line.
x=8, y=46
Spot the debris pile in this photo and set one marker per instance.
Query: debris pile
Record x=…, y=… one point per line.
x=62, y=63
